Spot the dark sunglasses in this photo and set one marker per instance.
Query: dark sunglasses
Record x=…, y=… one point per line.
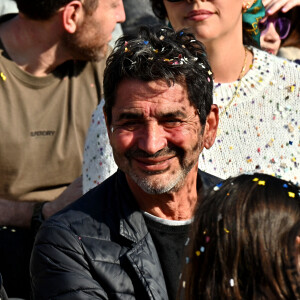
x=282, y=26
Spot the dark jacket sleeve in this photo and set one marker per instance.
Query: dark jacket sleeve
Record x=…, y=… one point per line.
x=3, y=295
x=59, y=269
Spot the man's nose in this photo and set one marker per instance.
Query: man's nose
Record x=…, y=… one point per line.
x=120, y=16
x=152, y=138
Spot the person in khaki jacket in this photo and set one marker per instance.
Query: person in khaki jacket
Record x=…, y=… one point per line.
x=52, y=56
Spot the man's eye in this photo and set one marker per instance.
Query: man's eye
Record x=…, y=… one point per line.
x=172, y=123
x=130, y=125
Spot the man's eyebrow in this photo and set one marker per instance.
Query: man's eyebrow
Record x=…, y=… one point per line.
x=172, y=114
x=160, y=115
x=130, y=115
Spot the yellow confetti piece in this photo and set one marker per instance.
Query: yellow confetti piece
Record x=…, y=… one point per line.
x=291, y=194
x=3, y=76
x=209, y=72
x=261, y=182
x=292, y=88
x=198, y=253
x=155, y=50
x=255, y=179
x=226, y=230
x=126, y=49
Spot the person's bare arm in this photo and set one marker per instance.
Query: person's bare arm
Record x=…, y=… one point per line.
x=69, y=195
x=17, y=213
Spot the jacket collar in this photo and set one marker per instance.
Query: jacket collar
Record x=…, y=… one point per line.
x=132, y=223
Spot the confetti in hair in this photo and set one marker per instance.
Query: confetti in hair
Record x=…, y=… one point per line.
x=291, y=194
x=187, y=241
x=217, y=187
x=220, y=217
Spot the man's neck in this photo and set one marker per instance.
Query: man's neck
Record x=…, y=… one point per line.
x=178, y=205
x=227, y=63
x=33, y=45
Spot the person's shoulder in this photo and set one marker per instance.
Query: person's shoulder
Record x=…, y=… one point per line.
x=287, y=70
x=208, y=180
x=290, y=53
x=94, y=205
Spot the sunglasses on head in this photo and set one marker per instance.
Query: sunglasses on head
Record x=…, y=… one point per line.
x=282, y=26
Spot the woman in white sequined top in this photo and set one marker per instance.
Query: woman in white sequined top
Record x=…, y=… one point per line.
x=258, y=97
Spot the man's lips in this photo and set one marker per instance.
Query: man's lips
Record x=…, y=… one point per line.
x=199, y=15
x=154, y=164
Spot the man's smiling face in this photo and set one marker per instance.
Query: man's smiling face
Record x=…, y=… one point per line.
x=155, y=134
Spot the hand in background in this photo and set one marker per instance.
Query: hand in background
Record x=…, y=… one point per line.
x=273, y=6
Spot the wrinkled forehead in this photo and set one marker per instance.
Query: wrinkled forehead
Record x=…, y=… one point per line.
x=154, y=97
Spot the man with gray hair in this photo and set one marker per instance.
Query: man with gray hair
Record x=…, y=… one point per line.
x=125, y=238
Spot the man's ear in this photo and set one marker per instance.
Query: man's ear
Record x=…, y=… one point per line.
x=72, y=13
x=211, y=127
x=108, y=128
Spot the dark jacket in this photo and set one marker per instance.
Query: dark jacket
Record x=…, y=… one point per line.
x=99, y=248
x=3, y=295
